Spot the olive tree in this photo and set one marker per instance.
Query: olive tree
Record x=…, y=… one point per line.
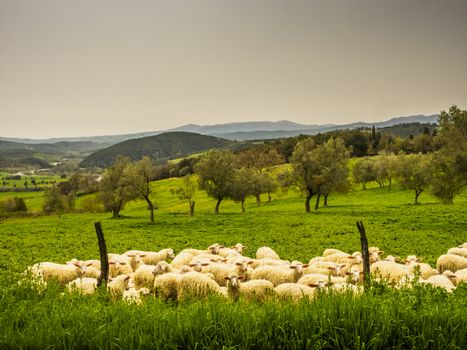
x=415, y=173
x=215, y=170
x=363, y=171
x=187, y=191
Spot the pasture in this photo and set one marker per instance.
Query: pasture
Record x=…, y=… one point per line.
x=383, y=318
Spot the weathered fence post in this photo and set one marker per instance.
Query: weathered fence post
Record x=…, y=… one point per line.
x=103, y=278
x=365, y=253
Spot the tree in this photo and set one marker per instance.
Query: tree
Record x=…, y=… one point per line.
x=54, y=201
x=113, y=191
x=415, y=173
x=243, y=185
x=386, y=168
x=363, y=171
x=137, y=178
x=216, y=172
x=187, y=191
x=305, y=168
x=447, y=180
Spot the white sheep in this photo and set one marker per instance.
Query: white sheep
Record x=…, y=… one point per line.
x=63, y=274
x=458, y=251
x=91, y=272
x=152, y=258
x=451, y=262
x=258, y=290
x=269, y=262
x=294, y=292
x=197, y=285
x=327, y=267
x=84, y=285
x=239, y=248
x=463, y=245
x=461, y=276
x=390, y=271
x=331, y=251
x=133, y=296
x=117, y=286
x=145, y=274
x=375, y=254
x=313, y=278
x=425, y=270
x=165, y=285
x=212, y=249
x=266, y=252
x=444, y=280
x=279, y=274
x=182, y=258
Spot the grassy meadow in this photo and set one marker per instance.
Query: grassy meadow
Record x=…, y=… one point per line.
x=383, y=318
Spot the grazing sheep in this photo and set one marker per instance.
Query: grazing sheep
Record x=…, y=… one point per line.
x=117, y=286
x=461, y=276
x=145, y=274
x=451, y=262
x=269, y=262
x=442, y=281
x=390, y=271
x=425, y=270
x=183, y=258
x=266, y=252
x=84, y=285
x=63, y=274
x=294, y=292
x=197, y=285
x=331, y=251
x=278, y=274
x=152, y=258
x=133, y=296
x=258, y=290
x=165, y=285
x=458, y=251
x=212, y=249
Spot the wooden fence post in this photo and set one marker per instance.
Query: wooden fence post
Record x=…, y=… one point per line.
x=103, y=278
x=365, y=253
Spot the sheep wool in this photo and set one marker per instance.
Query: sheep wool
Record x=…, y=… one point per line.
x=451, y=262
x=197, y=285
x=294, y=292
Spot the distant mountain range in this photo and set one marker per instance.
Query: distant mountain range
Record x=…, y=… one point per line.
x=235, y=131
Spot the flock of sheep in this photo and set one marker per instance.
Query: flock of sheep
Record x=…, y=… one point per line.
x=226, y=272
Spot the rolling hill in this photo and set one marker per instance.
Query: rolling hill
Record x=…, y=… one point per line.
x=160, y=147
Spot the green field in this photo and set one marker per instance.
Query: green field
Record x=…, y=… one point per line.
x=385, y=318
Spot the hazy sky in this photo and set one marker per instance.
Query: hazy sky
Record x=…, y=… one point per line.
x=71, y=68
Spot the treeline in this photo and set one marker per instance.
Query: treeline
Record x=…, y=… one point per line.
x=319, y=167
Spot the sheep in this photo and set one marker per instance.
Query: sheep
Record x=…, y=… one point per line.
x=258, y=290
x=458, y=251
x=391, y=258
x=463, y=245
x=279, y=274
x=92, y=272
x=183, y=258
x=412, y=259
x=198, y=266
x=197, y=285
x=119, y=265
x=425, y=270
x=313, y=278
x=62, y=273
x=219, y=271
x=239, y=248
x=135, y=296
x=442, y=281
x=207, y=258
x=327, y=267
x=375, y=253
x=266, y=252
x=165, y=285
x=212, y=249
x=117, y=286
x=331, y=251
x=451, y=262
x=461, y=276
x=269, y=262
x=390, y=271
x=229, y=252
x=343, y=258
x=84, y=285
x=152, y=258
x=145, y=274
x=294, y=292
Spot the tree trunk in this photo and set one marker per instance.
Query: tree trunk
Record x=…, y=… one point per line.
x=151, y=207
x=115, y=212
x=243, y=206
x=326, y=199
x=390, y=183
x=364, y=185
x=192, y=209
x=219, y=200
x=317, y=201
x=269, y=197
x=417, y=194
x=307, y=202
x=258, y=199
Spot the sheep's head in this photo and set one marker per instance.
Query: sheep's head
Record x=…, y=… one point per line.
x=354, y=276
x=412, y=259
x=215, y=248
x=169, y=252
x=337, y=269
x=319, y=285
x=198, y=265
x=233, y=280
x=452, y=277
x=239, y=247
x=242, y=265
x=298, y=268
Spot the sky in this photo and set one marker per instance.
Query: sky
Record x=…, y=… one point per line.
x=99, y=67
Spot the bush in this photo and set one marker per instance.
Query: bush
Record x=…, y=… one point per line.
x=92, y=204
x=13, y=205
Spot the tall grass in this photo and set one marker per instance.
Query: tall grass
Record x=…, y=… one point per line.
x=383, y=318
